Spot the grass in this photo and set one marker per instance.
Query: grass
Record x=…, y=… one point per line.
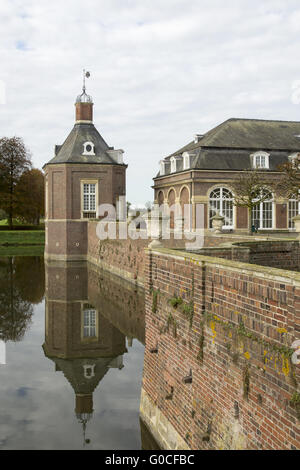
x=25, y=250
x=21, y=238
x=5, y=222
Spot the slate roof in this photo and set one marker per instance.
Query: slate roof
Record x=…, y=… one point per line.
x=229, y=145
x=73, y=371
x=71, y=150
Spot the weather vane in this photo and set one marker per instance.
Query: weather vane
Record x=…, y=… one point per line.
x=85, y=75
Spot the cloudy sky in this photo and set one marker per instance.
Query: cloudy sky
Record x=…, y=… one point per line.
x=161, y=71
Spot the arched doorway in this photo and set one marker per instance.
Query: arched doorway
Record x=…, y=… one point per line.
x=185, y=201
x=262, y=213
x=221, y=200
x=171, y=202
x=160, y=198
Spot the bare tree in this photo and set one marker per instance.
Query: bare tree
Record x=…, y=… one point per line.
x=250, y=191
x=289, y=186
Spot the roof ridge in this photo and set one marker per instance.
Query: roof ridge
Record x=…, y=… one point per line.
x=261, y=120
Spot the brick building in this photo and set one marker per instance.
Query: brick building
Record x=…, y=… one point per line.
x=84, y=173
x=203, y=171
x=83, y=344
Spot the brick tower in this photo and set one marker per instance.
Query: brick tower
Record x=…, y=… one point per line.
x=84, y=173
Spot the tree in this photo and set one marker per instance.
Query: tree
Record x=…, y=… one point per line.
x=15, y=312
x=34, y=290
x=250, y=191
x=30, y=195
x=14, y=160
x=289, y=185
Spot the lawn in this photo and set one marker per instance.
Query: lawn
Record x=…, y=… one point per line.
x=21, y=238
x=5, y=222
x=22, y=250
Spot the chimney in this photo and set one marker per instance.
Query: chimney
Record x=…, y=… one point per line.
x=197, y=138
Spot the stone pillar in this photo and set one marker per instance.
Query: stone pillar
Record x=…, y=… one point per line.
x=296, y=221
x=179, y=223
x=155, y=230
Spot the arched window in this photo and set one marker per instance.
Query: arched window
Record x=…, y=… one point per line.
x=186, y=207
x=262, y=213
x=171, y=202
x=160, y=198
x=221, y=200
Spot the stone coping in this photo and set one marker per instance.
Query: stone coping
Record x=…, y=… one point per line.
x=275, y=274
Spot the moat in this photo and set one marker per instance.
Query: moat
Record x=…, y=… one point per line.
x=74, y=357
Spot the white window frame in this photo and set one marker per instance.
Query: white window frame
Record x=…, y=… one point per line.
x=261, y=157
x=294, y=157
x=261, y=210
x=162, y=168
x=89, y=371
x=292, y=212
x=173, y=165
x=186, y=161
x=85, y=211
x=222, y=209
x=89, y=324
x=85, y=151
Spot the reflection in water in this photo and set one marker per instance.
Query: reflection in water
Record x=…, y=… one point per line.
x=21, y=285
x=88, y=317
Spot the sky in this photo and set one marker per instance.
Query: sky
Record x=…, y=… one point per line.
x=161, y=71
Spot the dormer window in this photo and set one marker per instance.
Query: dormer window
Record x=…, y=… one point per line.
x=89, y=371
x=173, y=165
x=186, y=161
x=295, y=159
x=162, y=168
x=260, y=160
x=88, y=148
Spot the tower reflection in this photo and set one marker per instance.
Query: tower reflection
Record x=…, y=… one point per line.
x=89, y=314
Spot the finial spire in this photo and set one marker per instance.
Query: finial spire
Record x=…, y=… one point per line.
x=85, y=75
x=84, y=98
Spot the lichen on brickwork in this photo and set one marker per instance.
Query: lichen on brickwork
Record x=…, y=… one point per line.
x=295, y=403
x=242, y=331
x=155, y=294
x=246, y=382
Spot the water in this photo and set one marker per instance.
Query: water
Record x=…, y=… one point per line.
x=74, y=357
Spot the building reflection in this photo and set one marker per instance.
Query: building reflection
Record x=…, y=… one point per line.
x=89, y=314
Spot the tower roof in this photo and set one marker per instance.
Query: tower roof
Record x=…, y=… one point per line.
x=84, y=144
x=72, y=150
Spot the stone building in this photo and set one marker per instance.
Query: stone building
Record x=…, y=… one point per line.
x=203, y=171
x=84, y=173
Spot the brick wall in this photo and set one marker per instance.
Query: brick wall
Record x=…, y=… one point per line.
x=125, y=258
x=235, y=336
x=281, y=254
